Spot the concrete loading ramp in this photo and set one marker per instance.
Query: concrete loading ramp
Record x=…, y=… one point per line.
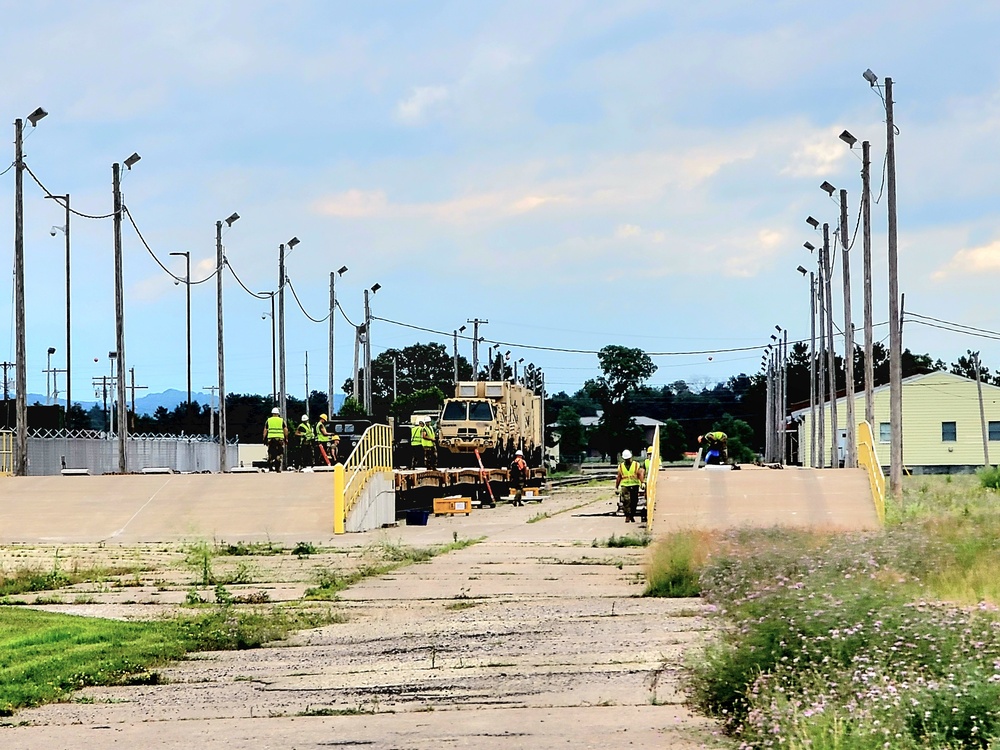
x=285, y=508
x=755, y=496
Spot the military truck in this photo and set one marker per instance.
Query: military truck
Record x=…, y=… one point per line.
x=496, y=418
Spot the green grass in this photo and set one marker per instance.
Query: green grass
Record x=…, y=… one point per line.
x=675, y=565
x=46, y=656
x=27, y=580
x=625, y=540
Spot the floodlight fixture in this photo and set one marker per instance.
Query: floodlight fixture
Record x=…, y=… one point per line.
x=773, y=337
x=376, y=287
x=830, y=189
x=462, y=329
x=52, y=350
x=849, y=139
x=232, y=219
x=812, y=222
x=342, y=270
x=870, y=77
x=37, y=115
x=132, y=160
x=801, y=270
x=292, y=242
x=809, y=246
x=778, y=329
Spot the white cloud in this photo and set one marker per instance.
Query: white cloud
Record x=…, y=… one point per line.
x=819, y=156
x=971, y=262
x=414, y=108
x=628, y=230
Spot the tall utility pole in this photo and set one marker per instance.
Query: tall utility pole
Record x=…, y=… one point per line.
x=133, y=387
x=20, y=365
x=358, y=330
x=220, y=264
x=281, y=331
x=821, y=362
x=119, y=319
x=368, y=355
x=307, y=382
x=895, y=328
x=455, y=350
x=851, y=454
x=331, y=384
x=20, y=373
x=866, y=233
x=812, y=370
x=784, y=398
x=831, y=352
x=476, y=322
x=769, y=408
x=982, y=411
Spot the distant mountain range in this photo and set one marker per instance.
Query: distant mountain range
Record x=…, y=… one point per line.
x=168, y=399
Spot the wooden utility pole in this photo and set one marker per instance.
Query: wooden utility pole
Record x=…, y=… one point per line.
x=821, y=364
x=895, y=324
x=812, y=370
x=220, y=263
x=831, y=351
x=982, y=411
x=851, y=452
x=866, y=229
x=368, y=354
x=133, y=387
x=20, y=361
x=120, y=321
x=282, y=401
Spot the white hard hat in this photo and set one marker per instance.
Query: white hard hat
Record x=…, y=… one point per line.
x=305, y=417
x=626, y=454
x=276, y=410
x=519, y=453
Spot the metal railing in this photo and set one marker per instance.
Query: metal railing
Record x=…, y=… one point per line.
x=372, y=454
x=868, y=460
x=6, y=453
x=654, y=470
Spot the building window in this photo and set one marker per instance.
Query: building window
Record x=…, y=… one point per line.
x=884, y=433
x=949, y=432
x=994, y=430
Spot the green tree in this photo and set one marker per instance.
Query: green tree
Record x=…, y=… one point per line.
x=623, y=370
x=673, y=441
x=352, y=409
x=423, y=398
x=572, y=436
x=739, y=438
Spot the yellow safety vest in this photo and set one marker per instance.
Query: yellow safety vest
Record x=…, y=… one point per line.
x=630, y=474
x=416, y=439
x=322, y=436
x=305, y=432
x=427, y=435
x=275, y=428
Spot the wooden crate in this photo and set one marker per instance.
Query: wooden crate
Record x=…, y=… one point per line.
x=452, y=505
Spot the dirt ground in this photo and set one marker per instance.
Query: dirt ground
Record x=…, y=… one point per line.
x=531, y=638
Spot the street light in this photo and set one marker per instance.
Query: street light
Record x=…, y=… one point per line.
x=65, y=230
x=812, y=222
x=274, y=368
x=331, y=380
x=21, y=365
x=866, y=234
x=48, y=376
x=120, y=310
x=282, y=278
x=826, y=186
x=187, y=284
x=455, y=350
x=220, y=264
x=368, y=347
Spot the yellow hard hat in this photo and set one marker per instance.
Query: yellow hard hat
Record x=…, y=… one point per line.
x=649, y=449
x=323, y=416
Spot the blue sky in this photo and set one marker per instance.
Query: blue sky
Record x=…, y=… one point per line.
x=578, y=173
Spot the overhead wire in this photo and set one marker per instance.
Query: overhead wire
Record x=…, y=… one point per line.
x=10, y=167
x=61, y=200
x=303, y=309
x=170, y=273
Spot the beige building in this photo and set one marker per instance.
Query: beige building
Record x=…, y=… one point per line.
x=942, y=430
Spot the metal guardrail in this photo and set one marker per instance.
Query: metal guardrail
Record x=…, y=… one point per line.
x=868, y=460
x=372, y=454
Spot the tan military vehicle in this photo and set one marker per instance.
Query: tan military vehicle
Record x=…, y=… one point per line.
x=495, y=418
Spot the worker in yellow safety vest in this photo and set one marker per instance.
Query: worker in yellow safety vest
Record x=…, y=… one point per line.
x=275, y=435
x=306, y=442
x=630, y=476
x=416, y=443
x=429, y=442
x=646, y=464
x=323, y=439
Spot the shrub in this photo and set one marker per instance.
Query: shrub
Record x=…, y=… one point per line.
x=675, y=565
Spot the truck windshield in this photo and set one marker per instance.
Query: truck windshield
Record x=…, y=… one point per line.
x=480, y=411
x=454, y=411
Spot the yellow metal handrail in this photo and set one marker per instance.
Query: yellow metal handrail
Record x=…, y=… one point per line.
x=654, y=470
x=868, y=459
x=372, y=454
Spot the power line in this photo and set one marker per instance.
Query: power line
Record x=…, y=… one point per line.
x=61, y=200
x=299, y=303
x=158, y=261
